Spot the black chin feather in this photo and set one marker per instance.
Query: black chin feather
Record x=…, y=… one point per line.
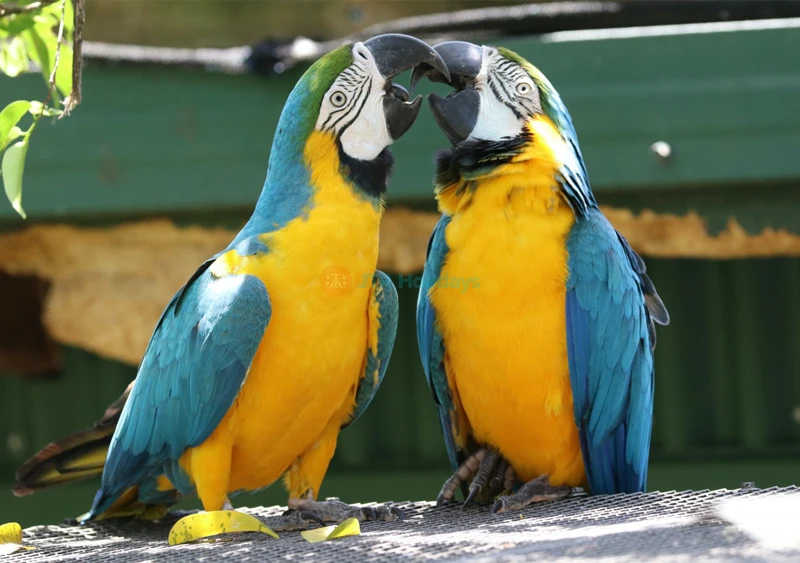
x=369, y=176
x=473, y=158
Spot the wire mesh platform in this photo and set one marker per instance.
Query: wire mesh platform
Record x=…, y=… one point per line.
x=658, y=526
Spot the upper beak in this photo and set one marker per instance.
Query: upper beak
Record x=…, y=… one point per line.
x=395, y=53
x=457, y=114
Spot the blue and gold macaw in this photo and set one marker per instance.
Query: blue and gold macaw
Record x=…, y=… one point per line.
x=541, y=360
x=273, y=345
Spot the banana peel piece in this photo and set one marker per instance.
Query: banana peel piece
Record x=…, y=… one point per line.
x=349, y=527
x=11, y=538
x=203, y=525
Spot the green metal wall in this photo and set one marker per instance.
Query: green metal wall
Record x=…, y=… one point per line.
x=174, y=140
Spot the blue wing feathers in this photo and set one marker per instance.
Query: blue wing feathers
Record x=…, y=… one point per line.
x=192, y=370
x=389, y=311
x=609, y=342
x=429, y=339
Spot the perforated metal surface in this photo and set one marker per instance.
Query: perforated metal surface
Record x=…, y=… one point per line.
x=668, y=526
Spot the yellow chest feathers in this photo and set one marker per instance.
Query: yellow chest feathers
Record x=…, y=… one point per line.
x=338, y=233
x=518, y=205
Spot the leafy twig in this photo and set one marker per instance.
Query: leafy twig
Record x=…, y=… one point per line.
x=56, y=60
x=13, y=161
x=9, y=9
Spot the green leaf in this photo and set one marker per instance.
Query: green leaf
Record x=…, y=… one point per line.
x=9, y=117
x=14, y=25
x=64, y=72
x=53, y=11
x=48, y=38
x=14, y=57
x=38, y=108
x=39, y=51
x=69, y=20
x=15, y=133
x=13, y=167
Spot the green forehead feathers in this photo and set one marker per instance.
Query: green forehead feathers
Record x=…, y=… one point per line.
x=321, y=75
x=316, y=81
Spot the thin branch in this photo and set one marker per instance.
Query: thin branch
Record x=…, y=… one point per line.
x=74, y=98
x=10, y=9
x=58, y=44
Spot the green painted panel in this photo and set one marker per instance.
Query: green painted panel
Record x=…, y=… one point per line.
x=151, y=140
x=36, y=410
x=185, y=141
x=728, y=367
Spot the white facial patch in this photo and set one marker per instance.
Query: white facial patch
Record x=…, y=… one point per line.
x=353, y=107
x=495, y=120
x=502, y=112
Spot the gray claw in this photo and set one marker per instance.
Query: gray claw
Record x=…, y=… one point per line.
x=499, y=476
x=310, y=516
x=486, y=468
x=466, y=471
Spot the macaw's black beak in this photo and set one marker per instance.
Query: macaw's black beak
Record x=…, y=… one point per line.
x=395, y=53
x=456, y=114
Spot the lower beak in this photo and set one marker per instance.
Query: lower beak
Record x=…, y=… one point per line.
x=457, y=114
x=400, y=113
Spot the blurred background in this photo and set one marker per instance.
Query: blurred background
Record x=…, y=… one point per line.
x=688, y=114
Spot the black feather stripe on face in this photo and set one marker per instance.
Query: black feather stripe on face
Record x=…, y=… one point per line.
x=474, y=158
x=362, y=95
x=370, y=177
x=505, y=97
x=355, y=83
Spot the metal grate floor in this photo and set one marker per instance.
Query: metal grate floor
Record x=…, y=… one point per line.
x=658, y=526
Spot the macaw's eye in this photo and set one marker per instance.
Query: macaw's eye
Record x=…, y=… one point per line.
x=523, y=88
x=338, y=99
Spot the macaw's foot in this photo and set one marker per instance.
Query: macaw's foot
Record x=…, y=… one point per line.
x=334, y=510
x=486, y=470
x=538, y=490
x=292, y=520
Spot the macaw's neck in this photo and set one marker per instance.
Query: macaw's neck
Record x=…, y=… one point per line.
x=306, y=171
x=335, y=176
x=287, y=190
x=526, y=166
